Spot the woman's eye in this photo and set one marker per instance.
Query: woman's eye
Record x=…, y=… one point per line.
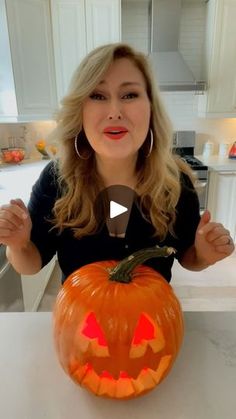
x=97, y=96
x=130, y=95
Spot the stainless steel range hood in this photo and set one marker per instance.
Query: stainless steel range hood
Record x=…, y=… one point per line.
x=173, y=74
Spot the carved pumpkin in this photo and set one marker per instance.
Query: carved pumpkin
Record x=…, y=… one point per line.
x=118, y=326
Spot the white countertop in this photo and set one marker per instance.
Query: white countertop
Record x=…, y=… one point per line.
x=16, y=181
x=219, y=163
x=212, y=289
x=201, y=384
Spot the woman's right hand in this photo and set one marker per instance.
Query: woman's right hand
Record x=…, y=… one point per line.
x=15, y=224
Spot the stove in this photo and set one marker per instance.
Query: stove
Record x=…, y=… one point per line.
x=194, y=162
x=183, y=145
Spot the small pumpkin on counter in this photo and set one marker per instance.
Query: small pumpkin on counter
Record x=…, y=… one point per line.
x=118, y=326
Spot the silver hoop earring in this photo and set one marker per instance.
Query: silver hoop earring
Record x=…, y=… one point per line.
x=77, y=150
x=151, y=143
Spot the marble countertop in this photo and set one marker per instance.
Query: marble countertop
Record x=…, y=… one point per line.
x=218, y=163
x=200, y=385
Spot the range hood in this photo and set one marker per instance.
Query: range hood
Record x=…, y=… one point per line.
x=173, y=73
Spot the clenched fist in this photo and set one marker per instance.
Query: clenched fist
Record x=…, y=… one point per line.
x=15, y=224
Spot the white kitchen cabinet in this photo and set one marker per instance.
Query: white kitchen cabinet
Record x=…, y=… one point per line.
x=30, y=36
x=33, y=286
x=220, y=99
x=222, y=199
x=102, y=22
x=7, y=87
x=78, y=27
x=69, y=39
x=48, y=40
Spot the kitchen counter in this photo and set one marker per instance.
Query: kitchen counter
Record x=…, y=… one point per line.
x=212, y=289
x=219, y=163
x=16, y=180
x=201, y=384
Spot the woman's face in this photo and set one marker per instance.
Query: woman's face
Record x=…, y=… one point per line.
x=116, y=115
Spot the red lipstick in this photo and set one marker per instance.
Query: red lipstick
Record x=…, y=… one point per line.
x=115, y=132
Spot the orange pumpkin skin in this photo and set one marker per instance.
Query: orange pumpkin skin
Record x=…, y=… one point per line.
x=118, y=340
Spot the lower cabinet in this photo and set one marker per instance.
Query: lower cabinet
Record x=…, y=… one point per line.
x=33, y=286
x=222, y=199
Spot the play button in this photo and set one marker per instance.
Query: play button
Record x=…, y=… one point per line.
x=112, y=208
x=116, y=209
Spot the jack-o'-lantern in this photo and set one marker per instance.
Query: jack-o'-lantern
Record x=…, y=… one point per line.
x=118, y=326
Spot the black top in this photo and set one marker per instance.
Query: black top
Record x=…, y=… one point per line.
x=73, y=253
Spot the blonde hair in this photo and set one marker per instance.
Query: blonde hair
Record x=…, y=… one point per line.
x=158, y=176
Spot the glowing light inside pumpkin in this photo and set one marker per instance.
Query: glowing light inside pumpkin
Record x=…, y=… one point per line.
x=106, y=374
x=92, y=330
x=124, y=374
x=144, y=330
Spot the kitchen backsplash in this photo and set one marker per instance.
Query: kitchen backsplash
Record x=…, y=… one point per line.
x=181, y=107
x=25, y=134
x=183, y=111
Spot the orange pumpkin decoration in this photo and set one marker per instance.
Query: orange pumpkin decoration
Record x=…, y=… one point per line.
x=118, y=326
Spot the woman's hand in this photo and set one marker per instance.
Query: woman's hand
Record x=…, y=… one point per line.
x=15, y=224
x=212, y=241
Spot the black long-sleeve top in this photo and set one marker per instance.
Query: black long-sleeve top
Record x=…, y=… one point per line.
x=73, y=253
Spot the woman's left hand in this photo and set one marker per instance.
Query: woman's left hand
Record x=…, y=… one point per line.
x=212, y=241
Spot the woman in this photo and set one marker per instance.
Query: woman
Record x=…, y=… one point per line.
x=112, y=129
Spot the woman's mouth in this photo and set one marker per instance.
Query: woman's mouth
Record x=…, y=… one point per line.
x=115, y=133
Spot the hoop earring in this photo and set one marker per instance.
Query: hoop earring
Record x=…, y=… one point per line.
x=151, y=143
x=77, y=150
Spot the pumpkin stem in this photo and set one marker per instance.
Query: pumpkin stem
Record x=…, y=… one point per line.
x=123, y=271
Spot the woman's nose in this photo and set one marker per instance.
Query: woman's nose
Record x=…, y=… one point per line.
x=114, y=111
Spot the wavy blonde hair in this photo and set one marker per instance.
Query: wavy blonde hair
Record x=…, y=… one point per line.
x=158, y=175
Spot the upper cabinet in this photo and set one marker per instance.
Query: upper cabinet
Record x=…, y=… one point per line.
x=220, y=99
x=7, y=85
x=78, y=27
x=69, y=36
x=102, y=22
x=48, y=40
x=32, y=56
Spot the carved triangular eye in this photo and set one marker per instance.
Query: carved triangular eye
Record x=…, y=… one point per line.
x=92, y=330
x=144, y=330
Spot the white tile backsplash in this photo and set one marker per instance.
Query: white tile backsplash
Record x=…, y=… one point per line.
x=182, y=108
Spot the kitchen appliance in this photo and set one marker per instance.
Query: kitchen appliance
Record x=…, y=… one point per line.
x=208, y=149
x=232, y=151
x=11, y=295
x=173, y=73
x=183, y=145
x=223, y=149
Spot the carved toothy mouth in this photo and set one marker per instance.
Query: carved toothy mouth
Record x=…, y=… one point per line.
x=124, y=386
